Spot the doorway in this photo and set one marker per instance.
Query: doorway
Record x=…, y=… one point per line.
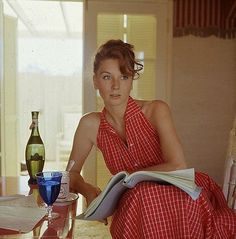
x=147, y=26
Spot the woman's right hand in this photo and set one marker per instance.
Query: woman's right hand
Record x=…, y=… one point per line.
x=91, y=193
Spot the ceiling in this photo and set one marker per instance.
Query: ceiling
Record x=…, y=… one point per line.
x=44, y=18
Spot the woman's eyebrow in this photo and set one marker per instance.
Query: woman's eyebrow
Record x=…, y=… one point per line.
x=105, y=72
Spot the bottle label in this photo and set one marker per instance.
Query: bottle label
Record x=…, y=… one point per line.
x=35, y=155
x=35, y=152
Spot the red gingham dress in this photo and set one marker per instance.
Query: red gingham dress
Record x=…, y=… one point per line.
x=152, y=211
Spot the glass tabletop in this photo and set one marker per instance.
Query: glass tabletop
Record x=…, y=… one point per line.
x=62, y=227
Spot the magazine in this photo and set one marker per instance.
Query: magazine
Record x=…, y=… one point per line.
x=104, y=205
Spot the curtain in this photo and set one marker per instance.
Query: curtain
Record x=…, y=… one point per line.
x=204, y=18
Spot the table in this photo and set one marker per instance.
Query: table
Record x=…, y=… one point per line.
x=62, y=227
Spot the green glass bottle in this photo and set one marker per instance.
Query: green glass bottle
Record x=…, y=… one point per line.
x=35, y=150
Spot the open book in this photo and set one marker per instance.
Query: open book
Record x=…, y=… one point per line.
x=104, y=205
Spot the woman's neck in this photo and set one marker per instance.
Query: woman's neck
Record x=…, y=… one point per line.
x=115, y=115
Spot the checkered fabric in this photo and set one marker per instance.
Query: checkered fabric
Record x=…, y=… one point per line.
x=159, y=211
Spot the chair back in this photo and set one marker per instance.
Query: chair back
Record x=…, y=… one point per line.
x=229, y=187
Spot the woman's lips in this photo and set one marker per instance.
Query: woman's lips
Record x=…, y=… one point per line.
x=115, y=95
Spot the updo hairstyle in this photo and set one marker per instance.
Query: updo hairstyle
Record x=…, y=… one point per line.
x=123, y=52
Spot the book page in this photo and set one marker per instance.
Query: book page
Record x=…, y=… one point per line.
x=18, y=200
x=107, y=205
x=183, y=179
x=20, y=214
x=113, y=188
x=185, y=176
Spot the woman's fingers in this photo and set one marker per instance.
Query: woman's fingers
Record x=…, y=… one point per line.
x=104, y=221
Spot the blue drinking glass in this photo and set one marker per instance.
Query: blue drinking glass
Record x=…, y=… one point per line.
x=49, y=185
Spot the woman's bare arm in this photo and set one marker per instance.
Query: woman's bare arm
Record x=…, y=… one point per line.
x=84, y=139
x=158, y=113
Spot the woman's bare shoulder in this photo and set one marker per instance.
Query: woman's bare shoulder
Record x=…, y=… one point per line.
x=91, y=119
x=150, y=107
x=88, y=127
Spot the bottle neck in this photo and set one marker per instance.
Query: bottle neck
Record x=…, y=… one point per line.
x=34, y=127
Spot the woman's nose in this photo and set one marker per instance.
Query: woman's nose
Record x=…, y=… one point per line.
x=115, y=83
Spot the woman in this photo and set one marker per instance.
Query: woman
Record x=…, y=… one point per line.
x=140, y=135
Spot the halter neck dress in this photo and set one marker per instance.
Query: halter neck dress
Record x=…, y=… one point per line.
x=150, y=210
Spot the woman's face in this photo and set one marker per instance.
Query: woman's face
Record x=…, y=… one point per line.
x=114, y=87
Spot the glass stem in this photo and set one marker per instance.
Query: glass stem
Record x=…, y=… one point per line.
x=49, y=209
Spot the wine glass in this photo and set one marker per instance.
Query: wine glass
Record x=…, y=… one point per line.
x=49, y=184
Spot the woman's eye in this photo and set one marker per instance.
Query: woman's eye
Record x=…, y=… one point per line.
x=124, y=77
x=106, y=77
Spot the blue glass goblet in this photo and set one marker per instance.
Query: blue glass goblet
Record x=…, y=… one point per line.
x=49, y=184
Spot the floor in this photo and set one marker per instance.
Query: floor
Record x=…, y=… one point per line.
x=91, y=230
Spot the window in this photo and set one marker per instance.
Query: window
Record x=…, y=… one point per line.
x=42, y=71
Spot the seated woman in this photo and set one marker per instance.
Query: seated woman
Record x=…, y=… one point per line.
x=138, y=135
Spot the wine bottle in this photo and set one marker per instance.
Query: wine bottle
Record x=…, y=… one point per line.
x=35, y=150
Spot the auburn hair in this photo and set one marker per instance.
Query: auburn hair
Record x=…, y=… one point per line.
x=123, y=52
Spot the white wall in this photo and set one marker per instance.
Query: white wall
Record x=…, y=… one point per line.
x=204, y=99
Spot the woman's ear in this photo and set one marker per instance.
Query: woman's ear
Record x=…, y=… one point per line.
x=95, y=82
